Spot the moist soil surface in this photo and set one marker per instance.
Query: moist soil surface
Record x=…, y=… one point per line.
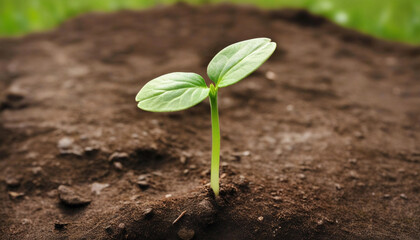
x=321, y=142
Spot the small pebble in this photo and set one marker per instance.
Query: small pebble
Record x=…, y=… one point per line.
x=142, y=177
x=36, y=170
x=168, y=195
x=260, y=218
x=403, y=196
x=387, y=196
x=69, y=197
x=148, y=213
x=65, y=143
x=270, y=75
x=118, y=156
x=121, y=226
x=183, y=159
x=277, y=198
x=16, y=195
x=301, y=176
x=97, y=187
x=13, y=181
x=143, y=184
x=338, y=186
x=353, y=160
x=118, y=166
x=26, y=221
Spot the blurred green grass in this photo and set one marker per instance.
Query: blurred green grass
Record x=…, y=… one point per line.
x=397, y=20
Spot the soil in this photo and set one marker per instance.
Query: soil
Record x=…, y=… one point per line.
x=321, y=142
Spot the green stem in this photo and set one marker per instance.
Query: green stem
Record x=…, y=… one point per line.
x=215, y=153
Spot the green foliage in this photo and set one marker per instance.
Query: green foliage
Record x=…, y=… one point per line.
x=178, y=91
x=172, y=92
x=238, y=60
x=391, y=19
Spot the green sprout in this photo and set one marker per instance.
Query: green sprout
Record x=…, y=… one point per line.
x=180, y=90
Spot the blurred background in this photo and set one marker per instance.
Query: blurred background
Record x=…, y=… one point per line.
x=397, y=20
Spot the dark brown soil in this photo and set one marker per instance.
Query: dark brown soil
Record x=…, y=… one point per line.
x=322, y=142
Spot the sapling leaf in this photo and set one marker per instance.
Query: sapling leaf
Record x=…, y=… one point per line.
x=172, y=92
x=178, y=91
x=238, y=60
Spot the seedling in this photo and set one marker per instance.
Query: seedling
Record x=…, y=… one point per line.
x=180, y=90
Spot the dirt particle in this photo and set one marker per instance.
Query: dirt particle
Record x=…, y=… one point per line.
x=338, y=187
x=97, y=187
x=36, y=170
x=91, y=150
x=353, y=160
x=118, y=156
x=403, y=196
x=260, y=218
x=65, y=143
x=270, y=75
x=118, y=166
x=387, y=196
x=143, y=184
x=148, y=213
x=277, y=198
x=16, y=195
x=13, y=181
x=183, y=159
x=186, y=234
x=69, y=197
x=121, y=226
x=353, y=174
x=301, y=176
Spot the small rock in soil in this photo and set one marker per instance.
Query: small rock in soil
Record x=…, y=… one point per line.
x=36, y=170
x=353, y=175
x=13, y=181
x=97, y=187
x=91, y=150
x=148, y=213
x=260, y=218
x=121, y=226
x=338, y=186
x=143, y=184
x=277, y=198
x=70, y=198
x=143, y=177
x=16, y=195
x=118, y=166
x=65, y=143
x=186, y=234
x=301, y=176
x=26, y=221
x=59, y=225
x=192, y=167
x=118, y=156
x=387, y=196
x=403, y=196
x=270, y=75
x=353, y=160
x=183, y=159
